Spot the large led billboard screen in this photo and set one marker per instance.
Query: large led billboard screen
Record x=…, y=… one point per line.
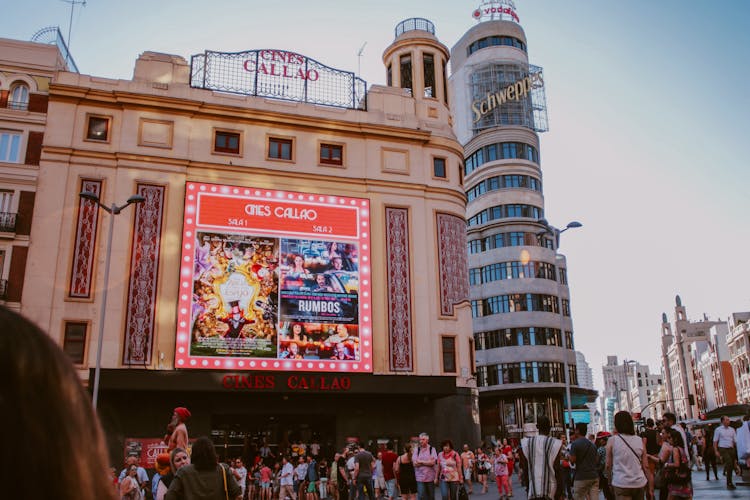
x=274, y=280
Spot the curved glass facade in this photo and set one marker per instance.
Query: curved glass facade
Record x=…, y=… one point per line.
x=511, y=270
x=525, y=372
x=495, y=41
x=500, y=151
x=509, y=239
x=504, y=212
x=504, y=182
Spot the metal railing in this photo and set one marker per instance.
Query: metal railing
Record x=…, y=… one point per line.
x=3, y=289
x=7, y=222
x=19, y=105
x=415, y=23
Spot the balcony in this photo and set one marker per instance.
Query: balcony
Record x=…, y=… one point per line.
x=18, y=105
x=7, y=222
x=3, y=289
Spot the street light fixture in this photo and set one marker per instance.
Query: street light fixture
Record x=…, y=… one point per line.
x=556, y=232
x=112, y=211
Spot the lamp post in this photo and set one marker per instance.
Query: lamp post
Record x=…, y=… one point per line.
x=556, y=232
x=112, y=211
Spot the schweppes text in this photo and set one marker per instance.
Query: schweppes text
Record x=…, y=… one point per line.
x=512, y=92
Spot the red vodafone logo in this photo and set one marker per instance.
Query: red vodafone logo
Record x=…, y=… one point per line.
x=476, y=14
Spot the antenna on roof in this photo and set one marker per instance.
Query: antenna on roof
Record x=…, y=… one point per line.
x=73, y=4
x=359, y=59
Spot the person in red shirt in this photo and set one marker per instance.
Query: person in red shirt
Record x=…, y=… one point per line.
x=507, y=450
x=389, y=459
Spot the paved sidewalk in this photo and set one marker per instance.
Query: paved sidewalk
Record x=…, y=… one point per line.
x=702, y=489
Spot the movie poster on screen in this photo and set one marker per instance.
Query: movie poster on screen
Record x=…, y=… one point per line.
x=279, y=281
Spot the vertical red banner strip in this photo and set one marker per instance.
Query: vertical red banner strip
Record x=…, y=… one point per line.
x=400, y=343
x=85, y=242
x=144, y=274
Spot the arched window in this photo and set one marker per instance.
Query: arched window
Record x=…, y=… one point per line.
x=19, y=96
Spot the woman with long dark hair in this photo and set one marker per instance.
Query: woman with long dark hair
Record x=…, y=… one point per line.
x=626, y=460
x=204, y=478
x=52, y=442
x=679, y=484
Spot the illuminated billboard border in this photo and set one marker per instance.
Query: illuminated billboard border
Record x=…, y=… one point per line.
x=194, y=222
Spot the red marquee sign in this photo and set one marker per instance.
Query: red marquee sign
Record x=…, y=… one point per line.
x=275, y=281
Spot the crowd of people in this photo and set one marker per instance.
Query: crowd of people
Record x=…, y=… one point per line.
x=54, y=448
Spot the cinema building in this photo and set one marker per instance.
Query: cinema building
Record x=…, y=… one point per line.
x=523, y=331
x=286, y=247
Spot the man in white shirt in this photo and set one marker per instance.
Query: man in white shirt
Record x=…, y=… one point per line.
x=725, y=442
x=300, y=473
x=240, y=474
x=287, y=480
x=141, y=474
x=743, y=441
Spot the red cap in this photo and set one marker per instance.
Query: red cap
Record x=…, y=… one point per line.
x=183, y=413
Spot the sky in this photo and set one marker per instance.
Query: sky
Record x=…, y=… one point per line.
x=648, y=144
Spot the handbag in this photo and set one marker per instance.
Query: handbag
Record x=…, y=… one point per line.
x=660, y=480
x=462, y=494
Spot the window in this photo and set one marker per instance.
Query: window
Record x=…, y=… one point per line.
x=449, y=354
x=19, y=97
x=227, y=142
x=280, y=149
x=406, y=79
x=389, y=76
x=428, y=65
x=331, y=154
x=97, y=128
x=7, y=216
x=438, y=167
x=10, y=147
x=74, y=343
x=501, y=151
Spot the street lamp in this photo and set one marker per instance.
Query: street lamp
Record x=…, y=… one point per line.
x=556, y=232
x=112, y=211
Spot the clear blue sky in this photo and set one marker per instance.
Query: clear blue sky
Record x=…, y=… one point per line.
x=648, y=108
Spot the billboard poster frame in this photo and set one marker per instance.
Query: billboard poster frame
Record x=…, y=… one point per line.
x=274, y=280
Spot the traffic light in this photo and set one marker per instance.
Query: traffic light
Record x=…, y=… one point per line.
x=691, y=399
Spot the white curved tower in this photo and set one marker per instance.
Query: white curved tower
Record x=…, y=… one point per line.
x=523, y=340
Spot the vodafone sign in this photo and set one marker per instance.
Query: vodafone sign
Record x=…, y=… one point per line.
x=496, y=10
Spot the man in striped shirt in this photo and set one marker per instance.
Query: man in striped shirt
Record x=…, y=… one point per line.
x=540, y=460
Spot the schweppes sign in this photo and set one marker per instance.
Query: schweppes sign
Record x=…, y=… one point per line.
x=513, y=92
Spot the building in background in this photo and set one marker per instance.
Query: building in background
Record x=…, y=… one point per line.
x=584, y=372
x=524, y=341
x=677, y=362
x=297, y=257
x=738, y=344
x=641, y=384
x=26, y=69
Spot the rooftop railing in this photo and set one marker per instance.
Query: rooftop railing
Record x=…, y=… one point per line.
x=415, y=23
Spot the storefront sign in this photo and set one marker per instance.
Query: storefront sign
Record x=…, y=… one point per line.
x=145, y=449
x=275, y=281
x=278, y=74
x=322, y=383
x=496, y=10
x=514, y=92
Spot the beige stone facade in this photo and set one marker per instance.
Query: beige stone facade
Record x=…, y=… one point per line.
x=26, y=69
x=155, y=134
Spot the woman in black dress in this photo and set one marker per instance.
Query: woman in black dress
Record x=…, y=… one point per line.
x=404, y=469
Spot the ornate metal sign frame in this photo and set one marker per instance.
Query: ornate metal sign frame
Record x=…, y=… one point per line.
x=278, y=74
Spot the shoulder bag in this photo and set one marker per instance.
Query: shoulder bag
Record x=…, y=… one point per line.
x=640, y=462
x=224, y=475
